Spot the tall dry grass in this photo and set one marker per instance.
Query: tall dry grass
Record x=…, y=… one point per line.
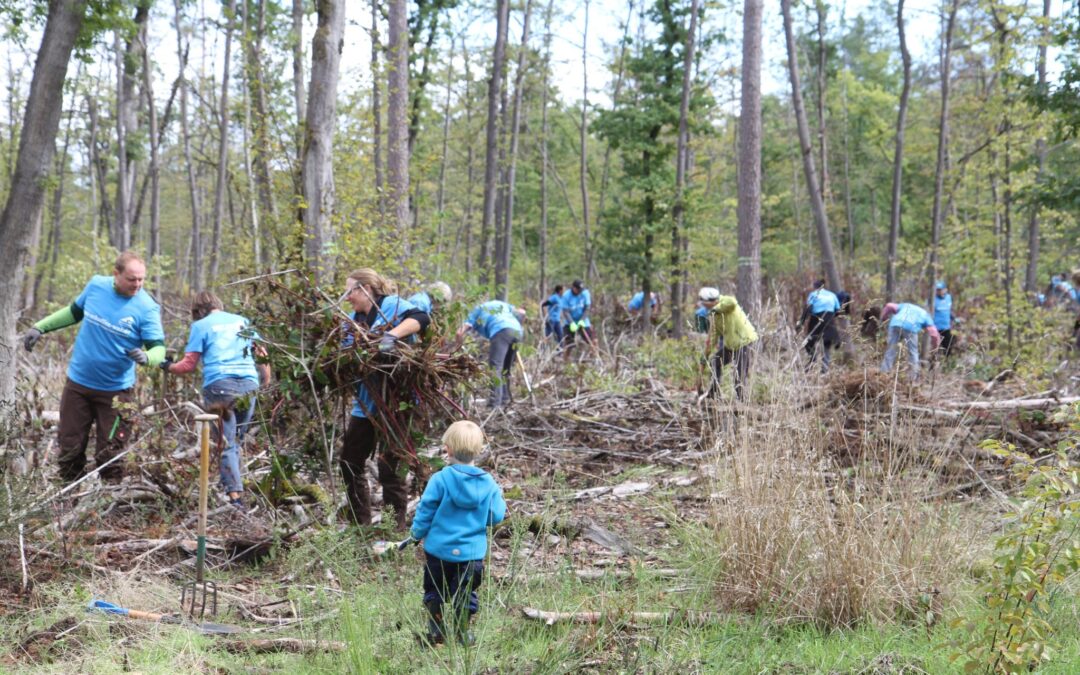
x=816, y=523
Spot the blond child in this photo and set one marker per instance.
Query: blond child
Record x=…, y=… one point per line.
x=458, y=505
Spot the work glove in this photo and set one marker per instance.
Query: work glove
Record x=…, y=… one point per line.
x=574, y=326
x=164, y=365
x=387, y=343
x=138, y=355
x=30, y=338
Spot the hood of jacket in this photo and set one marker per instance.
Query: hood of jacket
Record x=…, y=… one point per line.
x=467, y=485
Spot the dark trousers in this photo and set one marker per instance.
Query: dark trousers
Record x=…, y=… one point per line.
x=81, y=408
x=740, y=360
x=453, y=582
x=553, y=329
x=821, y=329
x=501, y=354
x=358, y=446
x=946, y=342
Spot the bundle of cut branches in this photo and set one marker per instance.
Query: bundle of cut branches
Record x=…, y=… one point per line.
x=319, y=356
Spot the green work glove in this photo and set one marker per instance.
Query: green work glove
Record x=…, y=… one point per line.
x=573, y=326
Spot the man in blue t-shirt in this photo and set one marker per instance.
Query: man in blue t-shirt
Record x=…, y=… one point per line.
x=500, y=324
x=575, y=304
x=553, y=322
x=906, y=321
x=943, y=316
x=819, y=315
x=121, y=328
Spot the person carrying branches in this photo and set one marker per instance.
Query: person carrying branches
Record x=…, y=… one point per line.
x=731, y=334
x=906, y=321
x=376, y=308
x=121, y=328
x=231, y=377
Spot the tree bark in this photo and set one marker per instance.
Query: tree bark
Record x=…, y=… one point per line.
x=942, y=150
x=317, y=170
x=33, y=164
x=299, y=97
x=154, y=248
x=748, y=278
x=56, y=212
x=268, y=213
x=544, y=131
x=584, y=160
x=502, y=269
x=898, y=158
x=681, y=164
x=376, y=112
x=1031, y=275
x=491, y=165
x=822, y=82
x=223, y=146
x=440, y=195
x=195, y=269
x=817, y=204
x=397, y=118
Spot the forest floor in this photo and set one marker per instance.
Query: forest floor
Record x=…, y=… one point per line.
x=649, y=520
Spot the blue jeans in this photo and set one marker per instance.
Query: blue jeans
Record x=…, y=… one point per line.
x=911, y=343
x=553, y=328
x=238, y=394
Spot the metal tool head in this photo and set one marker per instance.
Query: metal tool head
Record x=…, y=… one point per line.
x=198, y=596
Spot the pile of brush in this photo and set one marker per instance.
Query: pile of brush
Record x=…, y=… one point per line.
x=319, y=355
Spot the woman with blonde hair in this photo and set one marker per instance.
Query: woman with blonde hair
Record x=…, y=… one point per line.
x=225, y=343
x=376, y=308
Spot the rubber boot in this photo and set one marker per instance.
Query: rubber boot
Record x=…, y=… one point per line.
x=436, y=628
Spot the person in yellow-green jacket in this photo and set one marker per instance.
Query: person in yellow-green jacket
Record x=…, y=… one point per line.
x=732, y=334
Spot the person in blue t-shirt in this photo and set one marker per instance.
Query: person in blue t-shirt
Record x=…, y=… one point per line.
x=943, y=316
x=452, y=519
x=430, y=300
x=576, y=303
x=500, y=323
x=906, y=321
x=121, y=328
x=378, y=309
x=553, y=323
x=701, y=317
x=819, y=315
x=637, y=303
x=225, y=344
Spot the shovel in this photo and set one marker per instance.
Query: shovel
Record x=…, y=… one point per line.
x=195, y=596
x=208, y=628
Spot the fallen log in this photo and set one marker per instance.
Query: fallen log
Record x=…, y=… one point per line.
x=1012, y=404
x=675, y=616
x=281, y=645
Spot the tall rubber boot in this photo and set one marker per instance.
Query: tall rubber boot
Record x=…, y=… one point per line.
x=436, y=634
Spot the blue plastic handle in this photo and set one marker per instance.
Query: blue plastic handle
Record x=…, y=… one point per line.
x=106, y=607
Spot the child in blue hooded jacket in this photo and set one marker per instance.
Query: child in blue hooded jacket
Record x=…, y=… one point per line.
x=459, y=503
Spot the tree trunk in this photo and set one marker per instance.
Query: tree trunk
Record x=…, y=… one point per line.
x=749, y=212
x=440, y=195
x=223, y=146
x=544, y=131
x=397, y=118
x=154, y=249
x=898, y=158
x=470, y=156
x=491, y=165
x=502, y=269
x=317, y=170
x=376, y=111
x=56, y=211
x=424, y=77
x=681, y=163
x=1031, y=275
x=195, y=269
x=817, y=204
x=299, y=97
x=252, y=206
x=37, y=147
x=942, y=150
x=616, y=92
x=584, y=160
x=822, y=81
x=257, y=91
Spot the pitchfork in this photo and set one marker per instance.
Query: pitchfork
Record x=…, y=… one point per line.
x=195, y=595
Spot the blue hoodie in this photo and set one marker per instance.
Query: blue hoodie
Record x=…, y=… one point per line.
x=458, y=505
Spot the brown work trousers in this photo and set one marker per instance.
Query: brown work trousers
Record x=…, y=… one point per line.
x=81, y=408
x=358, y=445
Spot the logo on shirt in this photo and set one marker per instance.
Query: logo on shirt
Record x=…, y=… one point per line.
x=127, y=322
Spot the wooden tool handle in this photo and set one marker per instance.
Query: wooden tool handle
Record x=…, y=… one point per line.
x=146, y=616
